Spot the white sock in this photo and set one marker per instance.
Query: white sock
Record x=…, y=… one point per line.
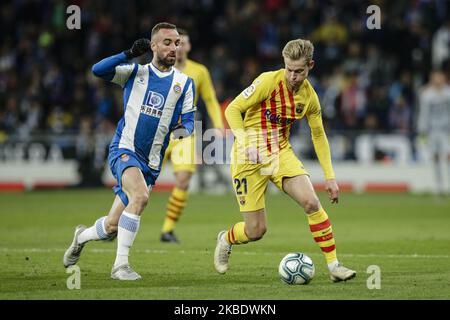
x=224, y=240
x=333, y=265
x=127, y=231
x=95, y=232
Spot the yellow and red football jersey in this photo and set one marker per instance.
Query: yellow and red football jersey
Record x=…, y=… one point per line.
x=269, y=109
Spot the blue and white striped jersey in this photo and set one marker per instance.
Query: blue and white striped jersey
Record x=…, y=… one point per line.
x=153, y=103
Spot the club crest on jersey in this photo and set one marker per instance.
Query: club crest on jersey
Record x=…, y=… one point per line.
x=242, y=200
x=299, y=107
x=124, y=157
x=153, y=104
x=177, y=88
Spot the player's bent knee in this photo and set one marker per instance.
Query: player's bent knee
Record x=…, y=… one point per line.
x=140, y=200
x=183, y=184
x=311, y=205
x=183, y=180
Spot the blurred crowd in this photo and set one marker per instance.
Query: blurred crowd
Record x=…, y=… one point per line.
x=366, y=79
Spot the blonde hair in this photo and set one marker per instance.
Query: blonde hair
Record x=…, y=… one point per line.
x=297, y=49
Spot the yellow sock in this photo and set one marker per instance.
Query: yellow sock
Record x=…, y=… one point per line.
x=175, y=206
x=320, y=227
x=236, y=235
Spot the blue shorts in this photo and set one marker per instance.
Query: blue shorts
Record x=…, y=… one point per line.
x=121, y=159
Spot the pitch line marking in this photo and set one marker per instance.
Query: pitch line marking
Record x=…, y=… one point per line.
x=161, y=251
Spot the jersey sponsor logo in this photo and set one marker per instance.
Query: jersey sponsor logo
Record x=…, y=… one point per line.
x=153, y=104
x=277, y=118
x=154, y=100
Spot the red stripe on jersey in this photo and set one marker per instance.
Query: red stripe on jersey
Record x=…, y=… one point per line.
x=324, y=238
x=291, y=100
x=264, y=124
x=273, y=114
x=319, y=226
x=283, y=110
x=328, y=249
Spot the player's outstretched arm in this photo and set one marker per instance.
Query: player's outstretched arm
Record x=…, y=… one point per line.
x=322, y=148
x=208, y=94
x=113, y=68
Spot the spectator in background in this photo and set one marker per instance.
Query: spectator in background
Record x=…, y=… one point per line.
x=441, y=46
x=378, y=107
x=89, y=173
x=353, y=102
x=331, y=37
x=42, y=61
x=434, y=125
x=400, y=115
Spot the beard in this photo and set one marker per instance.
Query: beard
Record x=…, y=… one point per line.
x=167, y=61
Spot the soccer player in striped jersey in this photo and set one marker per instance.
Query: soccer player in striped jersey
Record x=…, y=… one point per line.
x=156, y=96
x=261, y=118
x=182, y=152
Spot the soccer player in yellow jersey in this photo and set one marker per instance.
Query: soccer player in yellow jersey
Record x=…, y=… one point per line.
x=182, y=152
x=261, y=118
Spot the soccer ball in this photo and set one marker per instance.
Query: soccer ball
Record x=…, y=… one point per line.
x=296, y=268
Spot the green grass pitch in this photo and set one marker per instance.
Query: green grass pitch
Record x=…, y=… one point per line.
x=406, y=236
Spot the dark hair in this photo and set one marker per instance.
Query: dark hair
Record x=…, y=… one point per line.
x=162, y=25
x=182, y=32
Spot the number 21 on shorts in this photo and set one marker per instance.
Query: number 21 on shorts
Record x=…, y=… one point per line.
x=238, y=184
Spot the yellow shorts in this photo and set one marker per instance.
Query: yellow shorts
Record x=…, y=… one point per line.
x=250, y=180
x=181, y=154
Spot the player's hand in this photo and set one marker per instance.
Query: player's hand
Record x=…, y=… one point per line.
x=252, y=154
x=332, y=189
x=139, y=47
x=179, y=132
